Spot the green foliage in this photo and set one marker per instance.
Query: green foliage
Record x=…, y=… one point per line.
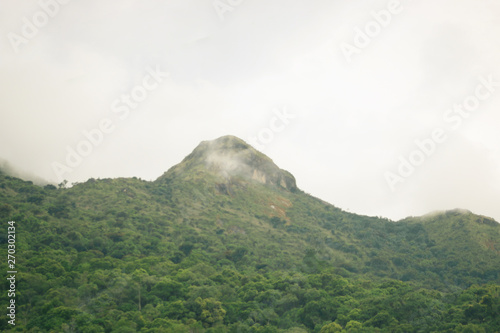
x=182, y=255
x=331, y=328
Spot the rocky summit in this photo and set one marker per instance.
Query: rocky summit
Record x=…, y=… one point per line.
x=232, y=160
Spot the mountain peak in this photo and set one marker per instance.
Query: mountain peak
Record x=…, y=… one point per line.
x=231, y=158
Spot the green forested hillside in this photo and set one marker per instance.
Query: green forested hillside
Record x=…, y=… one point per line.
x=226, y=242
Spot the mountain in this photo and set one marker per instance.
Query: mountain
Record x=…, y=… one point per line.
x=225, y=241
x=229, y=160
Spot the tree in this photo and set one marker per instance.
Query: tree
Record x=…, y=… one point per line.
x=331, y=328
x=353, y=325
x=469, y=328
x=210, y=311
x=139, y=276
x=168, y=290
x=381, y=320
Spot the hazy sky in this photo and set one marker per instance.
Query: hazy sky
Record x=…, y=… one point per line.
x=336, y=92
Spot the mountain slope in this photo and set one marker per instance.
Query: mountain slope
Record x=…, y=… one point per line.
x=226, y=242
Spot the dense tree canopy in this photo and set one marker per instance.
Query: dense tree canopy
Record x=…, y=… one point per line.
x=126, y=255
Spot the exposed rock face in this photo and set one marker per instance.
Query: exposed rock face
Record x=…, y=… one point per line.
x=231, y=157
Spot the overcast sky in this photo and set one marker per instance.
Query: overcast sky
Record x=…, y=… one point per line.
x=336, y=92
